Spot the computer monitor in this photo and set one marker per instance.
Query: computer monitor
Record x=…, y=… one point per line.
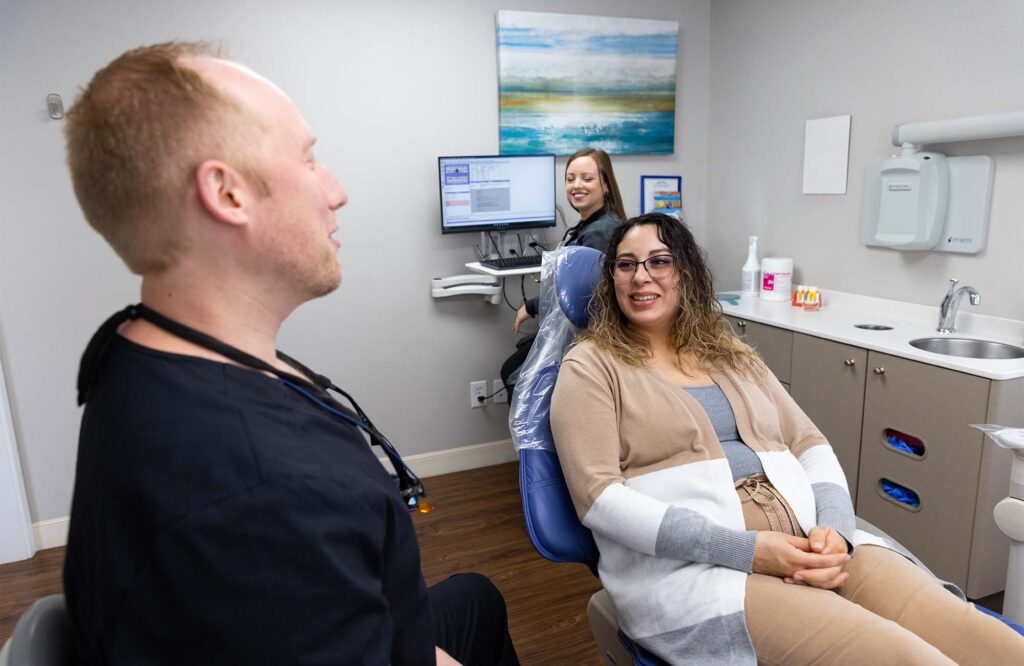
x=496, y=192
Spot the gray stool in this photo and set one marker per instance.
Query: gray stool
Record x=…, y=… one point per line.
x=42, y=636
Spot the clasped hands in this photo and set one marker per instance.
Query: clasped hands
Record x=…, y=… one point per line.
x=818, y=560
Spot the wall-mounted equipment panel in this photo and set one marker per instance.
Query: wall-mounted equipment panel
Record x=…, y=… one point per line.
x=925, y=201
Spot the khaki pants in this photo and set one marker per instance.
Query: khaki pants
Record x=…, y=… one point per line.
x=887, y=612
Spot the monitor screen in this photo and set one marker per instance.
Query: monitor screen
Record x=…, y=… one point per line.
x=496, y=192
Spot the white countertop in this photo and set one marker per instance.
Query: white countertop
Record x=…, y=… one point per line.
x=841, y=311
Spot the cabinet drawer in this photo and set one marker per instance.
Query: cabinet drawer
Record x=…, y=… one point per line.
x=775, y=345
x=935, y=406
x=828, y=384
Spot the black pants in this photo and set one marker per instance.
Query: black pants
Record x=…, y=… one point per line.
x=470, y=621
x=513, y=362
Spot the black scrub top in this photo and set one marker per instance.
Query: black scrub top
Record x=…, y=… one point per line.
x=221, y=517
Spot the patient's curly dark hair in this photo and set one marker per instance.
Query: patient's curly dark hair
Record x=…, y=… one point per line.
x=699, y=326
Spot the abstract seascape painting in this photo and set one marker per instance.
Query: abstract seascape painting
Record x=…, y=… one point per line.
x=567, y=81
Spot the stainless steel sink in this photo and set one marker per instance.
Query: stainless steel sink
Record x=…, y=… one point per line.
x=968, y=348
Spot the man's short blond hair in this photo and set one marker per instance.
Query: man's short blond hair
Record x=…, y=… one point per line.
x=135, y=136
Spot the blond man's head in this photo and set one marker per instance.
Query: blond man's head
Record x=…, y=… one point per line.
x=135, y=136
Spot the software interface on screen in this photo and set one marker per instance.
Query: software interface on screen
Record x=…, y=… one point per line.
x=495, y=193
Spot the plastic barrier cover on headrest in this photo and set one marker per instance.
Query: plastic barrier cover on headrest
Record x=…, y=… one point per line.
x=568, y=276
x=575, y=279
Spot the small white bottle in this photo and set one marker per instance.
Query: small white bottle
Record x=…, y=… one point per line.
x=751, y=269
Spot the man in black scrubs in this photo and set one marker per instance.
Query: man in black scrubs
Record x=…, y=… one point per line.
x=227, y=510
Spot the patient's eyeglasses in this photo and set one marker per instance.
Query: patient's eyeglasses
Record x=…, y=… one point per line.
x=658, y=266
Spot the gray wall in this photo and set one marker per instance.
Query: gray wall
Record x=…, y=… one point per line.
x=388, y=86
x=776, y=64
x=375, y=82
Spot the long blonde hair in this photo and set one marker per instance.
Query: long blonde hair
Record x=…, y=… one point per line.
x=699, y=327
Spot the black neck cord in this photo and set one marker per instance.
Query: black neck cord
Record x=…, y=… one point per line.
x=409, y=483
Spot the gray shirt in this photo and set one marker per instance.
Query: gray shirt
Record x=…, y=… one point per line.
x=742, y=460
x=735, y=548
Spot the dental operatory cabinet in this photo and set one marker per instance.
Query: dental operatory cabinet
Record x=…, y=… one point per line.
x=895, y=386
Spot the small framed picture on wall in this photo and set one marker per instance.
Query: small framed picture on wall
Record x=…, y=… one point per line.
x=661, y=194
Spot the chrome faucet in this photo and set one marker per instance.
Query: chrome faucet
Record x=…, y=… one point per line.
x=950, y=304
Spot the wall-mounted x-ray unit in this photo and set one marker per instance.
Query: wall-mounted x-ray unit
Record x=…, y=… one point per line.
x=920, y=200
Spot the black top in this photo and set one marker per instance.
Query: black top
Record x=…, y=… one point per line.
x=595, y=231
x=220, y=516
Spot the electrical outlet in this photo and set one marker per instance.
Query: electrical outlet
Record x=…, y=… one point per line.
x=477, y=390
x=509, y=244
x=498, y=389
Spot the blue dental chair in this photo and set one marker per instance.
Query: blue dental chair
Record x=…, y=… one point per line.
x=569, y=277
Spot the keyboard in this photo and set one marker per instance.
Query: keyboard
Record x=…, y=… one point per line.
x=510, y=263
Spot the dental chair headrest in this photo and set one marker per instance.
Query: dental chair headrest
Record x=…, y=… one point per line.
x=575, y=278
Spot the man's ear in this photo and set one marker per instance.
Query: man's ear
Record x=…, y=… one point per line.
x=223, y=192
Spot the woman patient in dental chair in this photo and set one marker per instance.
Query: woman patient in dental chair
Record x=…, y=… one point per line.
x=724, y=523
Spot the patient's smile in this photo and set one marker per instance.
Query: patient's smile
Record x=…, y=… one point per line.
x=640, y=296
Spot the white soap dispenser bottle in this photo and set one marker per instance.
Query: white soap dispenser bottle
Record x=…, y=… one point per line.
x=751, y=268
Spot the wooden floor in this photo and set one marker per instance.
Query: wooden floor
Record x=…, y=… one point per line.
x=477, y=526
x=21, y=583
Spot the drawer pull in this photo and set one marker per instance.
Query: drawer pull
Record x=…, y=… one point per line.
x=849, y=362
x=904, y=443
x=899, y=495
x=879, y=371
x=741, y=324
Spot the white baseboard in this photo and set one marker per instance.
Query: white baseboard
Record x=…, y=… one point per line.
x=462, y=458
x=54, y=533
x=51, y=533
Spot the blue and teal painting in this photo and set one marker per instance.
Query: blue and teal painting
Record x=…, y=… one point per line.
x=567, y=81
